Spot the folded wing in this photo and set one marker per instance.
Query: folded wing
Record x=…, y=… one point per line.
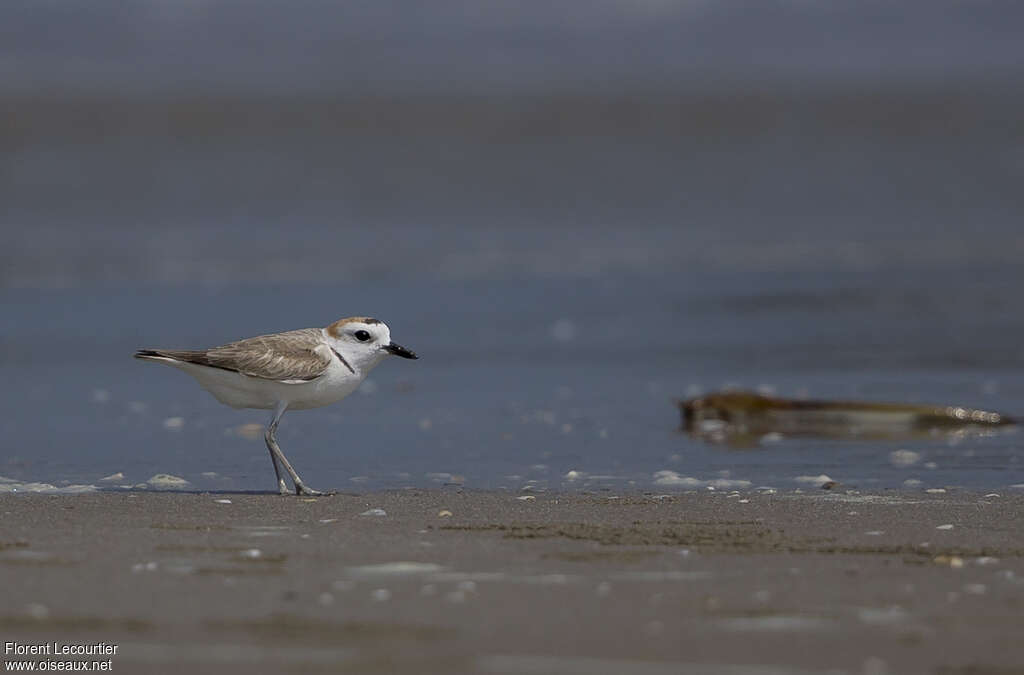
x=295, y=356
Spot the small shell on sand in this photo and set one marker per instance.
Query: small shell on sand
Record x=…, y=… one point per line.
x=954, y=561
x=10, y=485
x=395, y=569
x=164, y=481
x=816, y=481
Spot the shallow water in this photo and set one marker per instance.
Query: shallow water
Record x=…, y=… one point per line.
x=519, y=382
x=570, y=232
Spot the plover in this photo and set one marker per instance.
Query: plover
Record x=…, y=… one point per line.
x=296, y=370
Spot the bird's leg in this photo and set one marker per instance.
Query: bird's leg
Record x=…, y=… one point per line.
x=268, y=436
x=278, y=456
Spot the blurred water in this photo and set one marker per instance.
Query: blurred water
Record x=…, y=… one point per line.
x=519, y=380
x=573, y=217
x=501, y=45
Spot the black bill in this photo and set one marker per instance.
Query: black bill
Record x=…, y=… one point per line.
x=399, y=350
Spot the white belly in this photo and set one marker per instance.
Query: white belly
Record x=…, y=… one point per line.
x=241, y=391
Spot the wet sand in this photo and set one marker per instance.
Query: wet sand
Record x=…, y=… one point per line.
x=461, y=581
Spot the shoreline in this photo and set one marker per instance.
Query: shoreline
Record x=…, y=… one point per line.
x=664, y=482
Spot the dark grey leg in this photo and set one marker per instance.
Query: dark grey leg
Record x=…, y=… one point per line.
x=268, y=436
x=277, y=456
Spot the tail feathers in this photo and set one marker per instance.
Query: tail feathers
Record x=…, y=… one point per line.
x=199, y=358
x=163, y=354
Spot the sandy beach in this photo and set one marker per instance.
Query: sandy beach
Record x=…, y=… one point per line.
x=498, y=582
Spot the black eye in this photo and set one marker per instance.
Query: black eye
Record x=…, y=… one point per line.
x=362, y=335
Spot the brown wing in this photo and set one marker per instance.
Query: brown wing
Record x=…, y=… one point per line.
x=296, y=355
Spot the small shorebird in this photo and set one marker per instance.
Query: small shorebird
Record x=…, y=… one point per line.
x=299, y=369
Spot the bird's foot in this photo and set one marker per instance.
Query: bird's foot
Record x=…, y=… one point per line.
x=282, y=487
x=303, y=491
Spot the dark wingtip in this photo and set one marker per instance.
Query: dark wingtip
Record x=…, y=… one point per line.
x=146, y=353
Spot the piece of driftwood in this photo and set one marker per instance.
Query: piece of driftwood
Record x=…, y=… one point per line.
x=743, y=418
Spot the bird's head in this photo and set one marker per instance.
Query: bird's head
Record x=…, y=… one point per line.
x=364, y=342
